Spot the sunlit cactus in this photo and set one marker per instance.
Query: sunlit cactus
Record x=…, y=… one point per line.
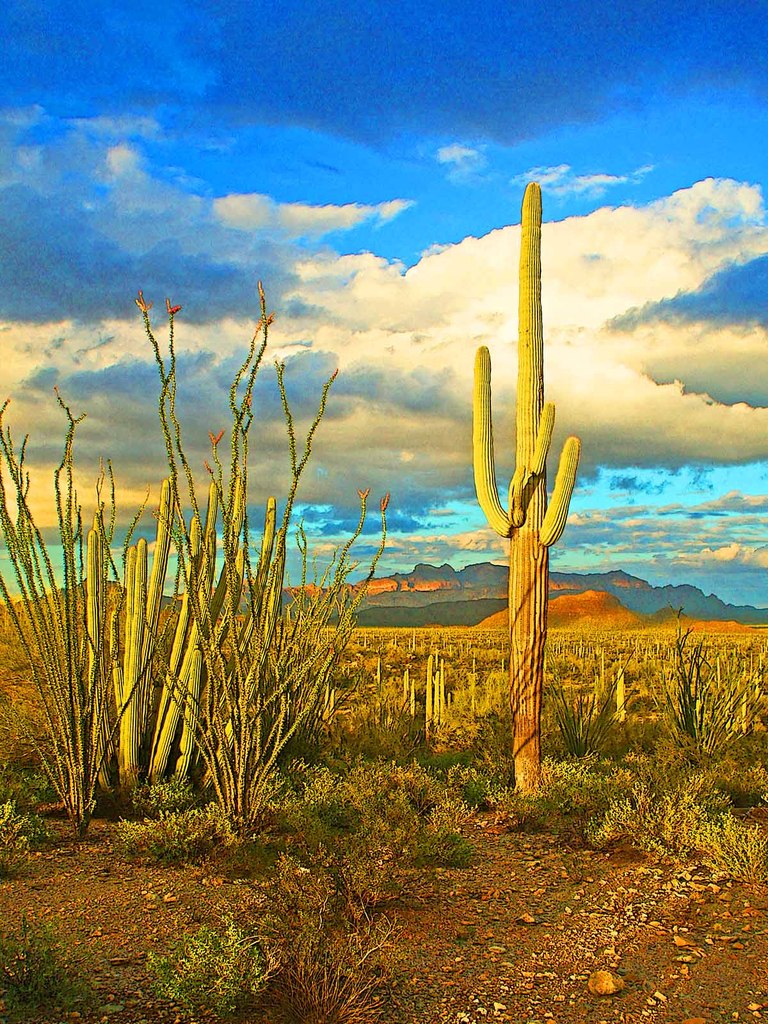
x=528, y=522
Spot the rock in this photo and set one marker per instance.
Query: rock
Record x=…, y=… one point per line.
x=604, y=983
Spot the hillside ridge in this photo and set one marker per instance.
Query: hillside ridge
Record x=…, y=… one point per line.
x=442, y=595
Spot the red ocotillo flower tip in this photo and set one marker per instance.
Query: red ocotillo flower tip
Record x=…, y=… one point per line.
x=335, y=374
x=363, y=494
x=215, y=438
x=207, y=466
x=385, y=502
x=172, y=310
x=143, y=306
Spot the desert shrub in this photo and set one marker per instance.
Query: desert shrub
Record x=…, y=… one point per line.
x=151, y=799
x=18, y=834
x=441, y=842
x=370, y=826
x=666, y=822
x=476, y=788
x=176, y=837
x=25, y=787
x=687, y=818
x=571, y=794
x=35, y=971
x=331, y=964
x=738, y=849
x=212, y=970
x=492, y=749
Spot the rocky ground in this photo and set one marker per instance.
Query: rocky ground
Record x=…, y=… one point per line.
x=534, y=931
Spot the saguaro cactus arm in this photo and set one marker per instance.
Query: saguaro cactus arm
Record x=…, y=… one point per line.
x=557, y=511
x=482, y=439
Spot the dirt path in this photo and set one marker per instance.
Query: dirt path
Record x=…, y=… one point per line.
x=514, y=937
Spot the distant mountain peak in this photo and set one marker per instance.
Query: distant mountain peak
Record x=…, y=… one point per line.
x=444, y=595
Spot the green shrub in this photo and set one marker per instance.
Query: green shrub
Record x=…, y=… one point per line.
x=210, y=970
x=477, y=789
x=18, y=834
x=176, y=837
x=25, y=787
x=688, y=818
x=739, y=850
x=150, y=800
x=35, y=973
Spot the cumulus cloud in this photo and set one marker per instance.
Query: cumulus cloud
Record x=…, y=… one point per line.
x=737, y=553
x=638, y=393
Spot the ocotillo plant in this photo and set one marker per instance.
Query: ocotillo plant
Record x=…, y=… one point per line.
x=531, y=526
x=259, y=664
x=60, y=619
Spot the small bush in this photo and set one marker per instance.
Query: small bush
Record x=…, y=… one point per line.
x=478, y=790
x=441, y=848
x=331, y=966
x=212, y=970
x=690, y=818
x=151, y=800
x=35, y=973
x=176, y=837
x=441, y=842
x=18, y=834
x=737, y=849
x=25, y=787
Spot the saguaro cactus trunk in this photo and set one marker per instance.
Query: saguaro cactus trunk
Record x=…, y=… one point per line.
x=531, y=525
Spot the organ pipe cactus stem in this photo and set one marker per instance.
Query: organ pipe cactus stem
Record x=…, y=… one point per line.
x=531, y=525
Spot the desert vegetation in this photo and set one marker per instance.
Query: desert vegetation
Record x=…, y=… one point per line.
x=653, y=742
x=220, y=799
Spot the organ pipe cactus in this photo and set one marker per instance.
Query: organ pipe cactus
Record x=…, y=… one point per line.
x=531, y=525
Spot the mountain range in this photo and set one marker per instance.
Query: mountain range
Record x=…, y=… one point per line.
x=444, y=596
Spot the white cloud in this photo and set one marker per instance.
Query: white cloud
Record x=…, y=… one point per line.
x=254, y=211
x=736, y=553
x=404, y=338
x=463, y=161
x=561, y=180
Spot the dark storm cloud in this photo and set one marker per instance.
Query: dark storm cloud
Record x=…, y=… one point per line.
x=734, y=295
x=372, y=71
x=57, y=264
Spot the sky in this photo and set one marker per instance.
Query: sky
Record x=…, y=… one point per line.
x=367, y=162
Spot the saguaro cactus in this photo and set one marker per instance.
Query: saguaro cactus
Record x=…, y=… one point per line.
x=530, y=525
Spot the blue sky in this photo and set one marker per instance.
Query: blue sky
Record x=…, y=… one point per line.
x=367, y=161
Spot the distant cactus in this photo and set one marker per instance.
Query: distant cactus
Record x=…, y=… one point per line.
x=531, y=526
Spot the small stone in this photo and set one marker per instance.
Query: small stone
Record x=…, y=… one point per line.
x=683, y=941
x=604, y=983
